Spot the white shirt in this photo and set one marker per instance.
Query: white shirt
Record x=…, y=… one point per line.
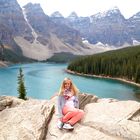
x=70, y=102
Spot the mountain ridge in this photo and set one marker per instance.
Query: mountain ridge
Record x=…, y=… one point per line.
x=32, y=33
x=108, y=27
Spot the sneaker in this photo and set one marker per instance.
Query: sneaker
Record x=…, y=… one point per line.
x=68, y=126
x=60, y=124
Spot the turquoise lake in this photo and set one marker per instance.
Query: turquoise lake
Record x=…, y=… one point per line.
x=42, y=80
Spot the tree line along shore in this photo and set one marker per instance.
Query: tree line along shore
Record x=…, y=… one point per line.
x=123, y=63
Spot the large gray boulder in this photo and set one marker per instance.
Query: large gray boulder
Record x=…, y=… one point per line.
x=120, y=118
x=8, y=102
x=86, y=99
x=106, y=119
x=26, y=121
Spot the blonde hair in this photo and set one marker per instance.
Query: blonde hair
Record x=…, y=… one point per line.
x=72, y=87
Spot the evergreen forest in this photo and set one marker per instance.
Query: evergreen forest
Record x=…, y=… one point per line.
x=122, y=63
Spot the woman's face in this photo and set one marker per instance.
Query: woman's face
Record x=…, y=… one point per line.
x=67, y=84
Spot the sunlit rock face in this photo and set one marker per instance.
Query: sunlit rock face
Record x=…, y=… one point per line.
x=107, y=119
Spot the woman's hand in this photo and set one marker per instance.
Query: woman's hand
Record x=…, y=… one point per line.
x=67, y=94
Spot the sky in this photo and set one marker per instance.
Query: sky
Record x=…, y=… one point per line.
x=86, y=7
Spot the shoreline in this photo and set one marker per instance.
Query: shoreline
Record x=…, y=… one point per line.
x=105, y=77
x=4, y=64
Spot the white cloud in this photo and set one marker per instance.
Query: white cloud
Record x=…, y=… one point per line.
x=86, y=7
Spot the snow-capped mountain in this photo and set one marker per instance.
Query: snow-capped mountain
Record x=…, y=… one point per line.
x=72, y=17
x=114, y=11
x=136, y=16
x=30, y=32
x=108, y=27
x=57, y=14
x=113, y=15
x=134, y=27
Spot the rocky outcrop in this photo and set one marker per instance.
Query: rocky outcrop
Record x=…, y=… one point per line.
x=9, y=102
x=5, y=102
x=114, y=118
x=106, y=119
x=27, y=120
x=86, y=99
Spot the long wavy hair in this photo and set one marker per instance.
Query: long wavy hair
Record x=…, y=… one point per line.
x=72, y=87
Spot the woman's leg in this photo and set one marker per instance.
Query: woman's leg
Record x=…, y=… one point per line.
x=68, y=116
x=76, y=117
x=72, y=115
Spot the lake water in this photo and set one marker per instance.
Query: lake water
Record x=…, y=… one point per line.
x=42, y=80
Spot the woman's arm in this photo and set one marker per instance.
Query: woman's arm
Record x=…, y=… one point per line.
x=59, y=104
x=76, y=102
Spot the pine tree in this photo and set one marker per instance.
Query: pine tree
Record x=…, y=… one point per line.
x=137, y=76
x=21, y=87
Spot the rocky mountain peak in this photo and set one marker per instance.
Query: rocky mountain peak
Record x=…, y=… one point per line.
x=113, y=12
x=56, y=14
x=11, y=17
x=33, y=7
x=72, y=16
x=136, y=16
x=7, y=2
x=9, y=7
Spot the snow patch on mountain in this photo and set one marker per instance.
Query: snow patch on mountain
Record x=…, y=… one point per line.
x=135, y=42
x=33, y=31
x=112, y=11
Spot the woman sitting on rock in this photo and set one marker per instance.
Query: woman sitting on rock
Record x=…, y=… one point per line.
x=68, y=105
